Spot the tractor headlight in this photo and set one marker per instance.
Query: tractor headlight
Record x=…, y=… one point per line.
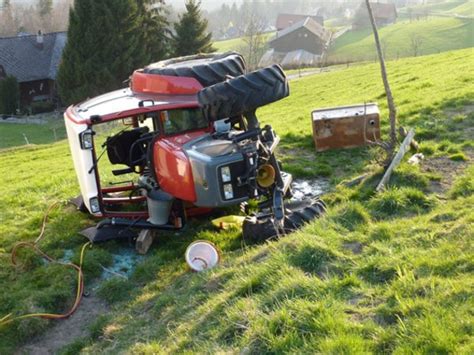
x=225, y=174
x=85, y=139
x=94, y=203
x=228, y=192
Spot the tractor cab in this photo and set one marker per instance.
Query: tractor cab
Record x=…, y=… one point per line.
x=183, y=139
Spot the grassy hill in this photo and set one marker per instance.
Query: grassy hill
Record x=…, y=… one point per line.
x=464, y=8
x=391, y=272
x=235, y=44
x=437, y=34
x=446, y=7
x=14, y=135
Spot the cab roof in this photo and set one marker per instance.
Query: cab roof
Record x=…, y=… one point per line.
x=125, y=103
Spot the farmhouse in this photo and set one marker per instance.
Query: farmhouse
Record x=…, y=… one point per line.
x=286, y=20
x=33, y=60
x=384, y=14
x=301, y=44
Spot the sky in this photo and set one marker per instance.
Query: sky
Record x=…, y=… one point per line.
x=178, y=4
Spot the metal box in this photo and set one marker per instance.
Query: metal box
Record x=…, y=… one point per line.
x=345, y=126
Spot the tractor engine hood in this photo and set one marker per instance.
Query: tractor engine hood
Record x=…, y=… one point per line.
x=217, y=166
x=201, y=169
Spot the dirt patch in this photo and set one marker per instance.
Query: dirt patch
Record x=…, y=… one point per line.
x=447, y=169
x=213, y=285
x=296, y=152
x=65, y=331
x=355, y=247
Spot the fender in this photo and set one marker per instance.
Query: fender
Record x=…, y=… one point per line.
x=172, y=166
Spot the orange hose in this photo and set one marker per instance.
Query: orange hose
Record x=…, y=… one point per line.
x=80, y=275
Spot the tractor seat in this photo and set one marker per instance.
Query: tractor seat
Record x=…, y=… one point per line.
x=126, y=148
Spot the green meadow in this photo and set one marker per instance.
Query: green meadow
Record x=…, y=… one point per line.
x=430, y=35
x=236, y=44
x=379, y=273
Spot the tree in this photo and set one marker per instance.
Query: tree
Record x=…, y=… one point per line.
x=155, y=33
x=191, y=32
x=392, y=111
x=7, y=22
x=415, y=43
x=45, y=7
x=253, y=39
x=102, y=50
x=9, y=95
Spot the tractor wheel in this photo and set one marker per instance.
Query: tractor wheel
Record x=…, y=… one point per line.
x=208, y=69
x=297, y=214
x=244, y=93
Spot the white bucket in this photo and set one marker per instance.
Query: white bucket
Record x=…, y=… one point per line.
x=202, y=255
x=159, y=206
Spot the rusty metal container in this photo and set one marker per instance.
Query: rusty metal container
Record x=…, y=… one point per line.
x=345, y=126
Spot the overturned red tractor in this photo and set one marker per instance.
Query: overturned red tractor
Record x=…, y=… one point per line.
x=185, y=139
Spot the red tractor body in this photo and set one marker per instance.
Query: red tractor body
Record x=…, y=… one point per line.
x=188, y=129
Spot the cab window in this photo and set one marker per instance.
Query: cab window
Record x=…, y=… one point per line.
x=182, y=120
x=149, y=120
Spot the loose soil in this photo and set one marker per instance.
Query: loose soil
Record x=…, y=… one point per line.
x=447, y=169
x=66, y=331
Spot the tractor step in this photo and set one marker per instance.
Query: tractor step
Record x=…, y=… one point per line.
x=98, y=235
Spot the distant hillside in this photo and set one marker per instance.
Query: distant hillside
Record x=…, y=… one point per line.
x=235, y=44
x=431, y=35
x=460, y=7
x=466, y=9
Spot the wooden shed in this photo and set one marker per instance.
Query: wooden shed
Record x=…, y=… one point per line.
x=286, y=20
x=33, y=60
x=300, y=44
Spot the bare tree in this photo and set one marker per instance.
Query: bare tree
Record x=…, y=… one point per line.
x=389, y=148
x=7, y=21
x=415, y=44
x=254, y=39
x=16, y=18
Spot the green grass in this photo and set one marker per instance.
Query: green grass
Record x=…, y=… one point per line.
x=443, y=7
x=446, y=7
x=391, y=272
x=14, y=134
x=235, y=44
x=466, y=9
x=437, y=34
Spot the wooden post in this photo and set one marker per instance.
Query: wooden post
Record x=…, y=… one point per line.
x=391, y=105
x=404, y=147
x=144, y=241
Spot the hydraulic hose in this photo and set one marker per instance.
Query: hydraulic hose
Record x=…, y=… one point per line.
x=80, y=275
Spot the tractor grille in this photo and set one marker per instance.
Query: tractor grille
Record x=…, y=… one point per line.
x=237, y=169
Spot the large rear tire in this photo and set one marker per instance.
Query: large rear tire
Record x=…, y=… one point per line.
x=297, y=214
x=244, y=93
x=208, y=69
